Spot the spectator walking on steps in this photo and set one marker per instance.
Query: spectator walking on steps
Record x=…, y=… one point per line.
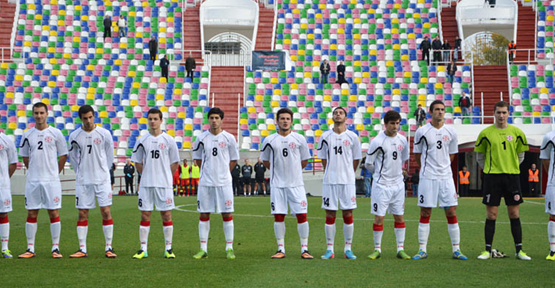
x=511, y=49
x=153, y=48
x=425, y=46
x=107, y=26
x=464, y=103
x=190, y=66
x=164, y=65
x=446, y=51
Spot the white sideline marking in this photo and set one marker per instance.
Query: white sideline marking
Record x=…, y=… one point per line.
x=179, y=208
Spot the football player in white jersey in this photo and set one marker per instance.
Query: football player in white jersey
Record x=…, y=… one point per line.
x=215, y=151
x=435, y=147
x=340, y=152
x=91, y=154
x=44, y=152
x=385, y=158
x=547, y=155
x=286, y=154
x=8, y=158
x=156, y=157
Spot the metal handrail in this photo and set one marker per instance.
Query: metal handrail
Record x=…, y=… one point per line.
x=275, y=26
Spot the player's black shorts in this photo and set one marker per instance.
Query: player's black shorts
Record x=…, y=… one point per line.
x=259, y=179
x=502, y=185
x=246, y=180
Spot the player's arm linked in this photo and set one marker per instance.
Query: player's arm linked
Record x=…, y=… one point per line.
x=61, y=162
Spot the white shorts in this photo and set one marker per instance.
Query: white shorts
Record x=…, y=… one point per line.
x=437, y=193
x=85, y=196
x=295, y=196
x=390, y=199
x=212, y=199
x=334, y=195
x=161, y=197
x=550, y=200
x=43, y=195
x=5, y=201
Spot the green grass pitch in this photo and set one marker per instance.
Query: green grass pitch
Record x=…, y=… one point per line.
x=255, y=243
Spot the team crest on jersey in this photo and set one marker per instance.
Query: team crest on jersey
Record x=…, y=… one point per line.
x=7, y=202
x=228, y=203
x=56, y=200
x=346, y=142
x=48, y=139
x=400, y=147
x=445, y=138
x=517, y=197
x=509, y=137
x=169, y=201
x=222, y=144
x=109, y=195
x=1, y=147
x=303, y=203
x=354, y=199
x=162, y=146
x=292, y=145
x=97, y=141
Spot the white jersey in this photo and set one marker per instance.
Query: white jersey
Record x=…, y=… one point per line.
x=91, y=155
x=157, y=154
x=548, y=152
x=215, y=151
x=435, y=147
x=340, y=150
x=388, y=154
x=285, y=155
x=43, y=148
x=8, y=155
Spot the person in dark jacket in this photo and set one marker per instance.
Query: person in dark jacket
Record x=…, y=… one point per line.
x=153, y=48
x=259, y=170
x=107, y=26
x=324, y=71
x=425, y=47
x=419, y=115
x=436, y=46
x=164, y=65
x=129, y=171
x=446, y=51
x=190, y=66
x=341, y=73
x=236, y=175
x=457, y=48
x=451, y=69
x=414, y=182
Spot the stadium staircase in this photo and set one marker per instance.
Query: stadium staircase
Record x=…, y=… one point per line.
x=7, y=13
x=491, y=80
x=526, y=31
x=227, y=83
x=265, y=28
x=191, y=32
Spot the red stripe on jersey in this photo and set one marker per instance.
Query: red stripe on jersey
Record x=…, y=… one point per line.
x=377, y=227
x=552, y=220
x=424, y=220
x=227, y=219
x=4, y=220
x=169, y=223
x=330, y=220
x=204, y=219
x=452, y=220
x=145, y=223
x=301, y=218
x=108, y=222
x=83, y=223
x=279, y=217
x=31, y=220
x=55, y=220
x=400, y=225
x=348, y=219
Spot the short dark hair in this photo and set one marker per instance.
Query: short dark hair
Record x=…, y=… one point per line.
x=40, y=105
x=155, y=111
x=337, y=108
x=216, y=110
x=85, y=109
x=391, y=115
x=436, y=102
x=501, y=104
x=283, y=111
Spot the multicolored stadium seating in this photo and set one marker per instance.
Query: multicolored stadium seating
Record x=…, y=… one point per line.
x=533, y=93
x=546, y=19
x=67, y=63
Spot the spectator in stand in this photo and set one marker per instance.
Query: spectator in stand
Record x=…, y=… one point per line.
x=324, y=71
x=446, y=51
x=164, y=65
x=451, y=69
x=457, y=48
x=419, y=115
x=533, y=179
x=122, y=26
x=190, y=66
x=153, y=48
x=437, y=46
x=129, y=171
x=425, y=47
x=414, y=182
x=236, y=175
x=246, y=170
x=367, y=175
x=464, y=103
x=464, y=182
x=341, y=73
x=259, y=171
x=107, y=26
x=511, y=49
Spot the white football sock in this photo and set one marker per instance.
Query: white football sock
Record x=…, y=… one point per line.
x=423, y=233
x=228, y=232
x=400, y=237
x=378, y=240
x=330, y=235
x=168, y=235
x=279, y=230
x=203, y=231
x=55, y=230
x=82, y=229
x=348, y=230
x=108, y=235
x=143, y=236
x=303, y=230
x=31, y=231
x=551, y=234
x=5, y=235
x=455, y=234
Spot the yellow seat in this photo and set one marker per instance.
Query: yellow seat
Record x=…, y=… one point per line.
x=51, y=84
x=103, y=114
x=56, y=72
x=164, y=109
x=186, y=145
x=405, y=57
x=251, y=110
x=421, y=97
x=143, y=120
x=9, y=95
x=357, y=80
x=139, y=35
x=365, y=74
x=181, y=115
x=438, y=85
x=188, y=127
x=353, y=98
x=123, y=45
x=131, y=74
x=389, y=63
x=259, y=98
x=396, y=46
x=345, y=92
x=318, y=133
x=327, y=98
x=264, y=133
x=274, y=80
x=99, y=51
x=293, y=57
x=243, y=121
x=271, y=127
x=536, y=114
x=287, y=41
x=171, y=132
x=370, y=109
x=74, y=108
x=411, y=36
x=544, y=90
x=163, y=29
x=300, y=52
x=51, y=50
x=407, y=74
x=134, y=103
x=330, y=121
x=159, y=97
x=4, y=66
x=18, y=77
x=424, y=80
x=12, y=125
x=396, y=91
x=45, y=101
x=457, y=109
x=304, y=26
x=359, y=127
x=333, y=47
x=21, y=113
x=274, y=104
x=132, y=14
x=426, y=25
x=118, y=61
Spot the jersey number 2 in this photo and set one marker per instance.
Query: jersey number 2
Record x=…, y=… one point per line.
x=40, y=145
